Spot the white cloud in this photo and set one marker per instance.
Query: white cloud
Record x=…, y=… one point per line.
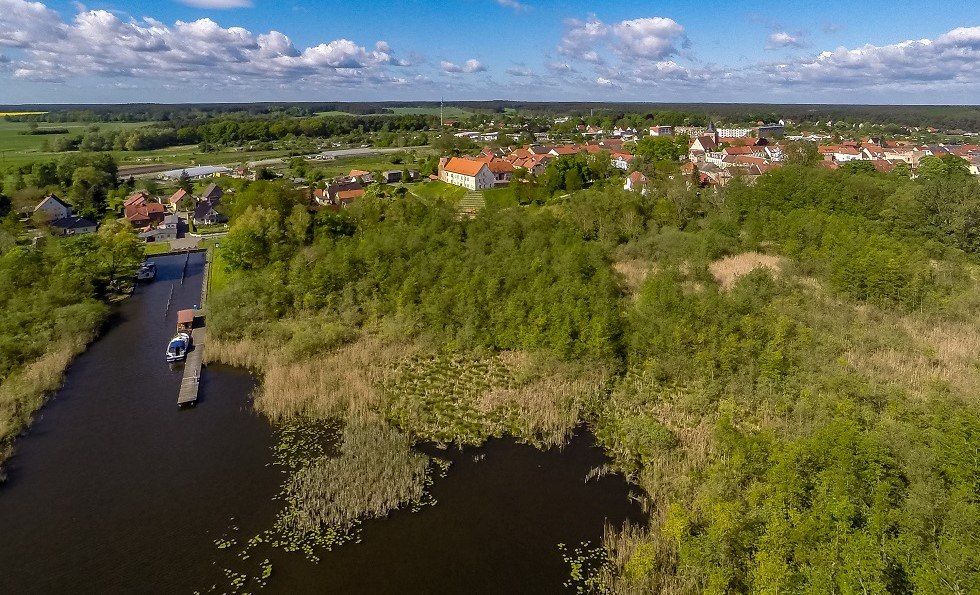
x=23, y=23
x=98, y=42
x=782, y=39
x=953, y=57
x=652, y=38
x=468, y=67
x=520, y=72
x=515, y=5
x=581, y=38
x=217, y=4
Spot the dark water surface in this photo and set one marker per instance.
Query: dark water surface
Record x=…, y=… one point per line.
x=115, y=490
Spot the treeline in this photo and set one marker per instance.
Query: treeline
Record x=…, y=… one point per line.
x=229, y=131
x=944, y=117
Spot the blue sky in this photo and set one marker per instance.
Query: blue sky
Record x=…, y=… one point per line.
x=259, y=50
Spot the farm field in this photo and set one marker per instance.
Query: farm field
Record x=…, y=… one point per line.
x=448, y=112
x=22, y=149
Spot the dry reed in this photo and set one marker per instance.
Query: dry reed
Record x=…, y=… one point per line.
x=341, y=382
x=24, y=391
x=632, y=273
x=729, y=269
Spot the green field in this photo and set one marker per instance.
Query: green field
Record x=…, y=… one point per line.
x=18, y=149
x=218, y=273
x=21, y=149
x=449, y=112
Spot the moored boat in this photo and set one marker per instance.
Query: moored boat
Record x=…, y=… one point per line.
x=178, y=347
x=146, y=272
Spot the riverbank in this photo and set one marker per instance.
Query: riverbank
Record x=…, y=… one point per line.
x=55, y=298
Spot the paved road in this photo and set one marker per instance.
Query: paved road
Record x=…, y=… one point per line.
x=335, y=153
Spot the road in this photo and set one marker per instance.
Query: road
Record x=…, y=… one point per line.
x=335, y=153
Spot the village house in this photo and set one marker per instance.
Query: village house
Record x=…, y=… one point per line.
x=502, y=171
x=52, y=208
x=205, y=213
x=661, y=131
x=73, y=226
x=470, y=174
x=636, y=181
x=622, y=161
x=346, y=197
x=701, y=146
x=165, y=232
x=843, y=154
x=176, y=197
x=212, y=193
x=141, y=213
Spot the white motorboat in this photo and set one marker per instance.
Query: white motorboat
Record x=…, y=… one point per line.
x=178, y=347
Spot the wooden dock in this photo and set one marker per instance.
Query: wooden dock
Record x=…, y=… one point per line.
x=191, y=382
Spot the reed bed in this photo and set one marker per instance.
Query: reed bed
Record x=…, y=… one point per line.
x=23, y=392
x=464, y=399
x=375, y=472
x=344, y=381
x=728, y=270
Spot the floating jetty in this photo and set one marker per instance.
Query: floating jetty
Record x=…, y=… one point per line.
x=190, y=384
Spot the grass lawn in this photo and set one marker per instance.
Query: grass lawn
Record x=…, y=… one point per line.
x=437, y=189
x=156, y=248
x=218, y=274
x=343, y=165
x=500, y=197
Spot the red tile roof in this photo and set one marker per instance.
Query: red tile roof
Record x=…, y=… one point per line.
x=465, y=167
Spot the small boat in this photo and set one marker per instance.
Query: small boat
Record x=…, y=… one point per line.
x=178, y=347
x=146, y=272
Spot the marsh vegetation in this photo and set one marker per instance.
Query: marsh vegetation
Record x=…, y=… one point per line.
x=786, y=369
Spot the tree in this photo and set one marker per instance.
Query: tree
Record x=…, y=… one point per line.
x=800, y=152
x=88, y=190
x=661, y=148
x=184, y=182
x=119, y=253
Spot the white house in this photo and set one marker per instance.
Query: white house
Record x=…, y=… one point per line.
x=53, y=208
x=636, y=181
x=470, y=174
x=734, y=132
x=622, y=161
x=845, y=154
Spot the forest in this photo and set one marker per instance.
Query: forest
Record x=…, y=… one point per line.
x=945, y=117
x=786, y=370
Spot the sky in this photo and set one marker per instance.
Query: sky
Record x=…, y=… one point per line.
x=790, y=51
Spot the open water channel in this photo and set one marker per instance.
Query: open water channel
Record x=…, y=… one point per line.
x=114, y=489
